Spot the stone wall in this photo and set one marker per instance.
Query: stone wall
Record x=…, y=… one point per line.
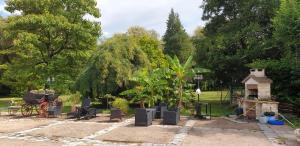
x=264, y=91
x=261, y=108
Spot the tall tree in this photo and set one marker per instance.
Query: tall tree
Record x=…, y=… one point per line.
x=117, y=59
x=177, y=41
x=5, y=54
x=236, y=34
x=284, y=67
x=52, y=39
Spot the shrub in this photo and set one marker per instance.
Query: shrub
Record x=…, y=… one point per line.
x=122, y=104
x=72, y=99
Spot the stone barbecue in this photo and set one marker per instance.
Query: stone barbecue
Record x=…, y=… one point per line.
x=257, y=98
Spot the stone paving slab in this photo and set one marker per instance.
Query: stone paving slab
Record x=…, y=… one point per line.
x=14, y=125
x=224, y=137
x=70, y=129
x=135, y=134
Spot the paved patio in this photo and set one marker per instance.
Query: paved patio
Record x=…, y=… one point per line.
x=100, y=131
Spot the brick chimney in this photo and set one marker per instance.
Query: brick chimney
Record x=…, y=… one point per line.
x=257, y=72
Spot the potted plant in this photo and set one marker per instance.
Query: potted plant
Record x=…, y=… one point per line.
x=263, y=119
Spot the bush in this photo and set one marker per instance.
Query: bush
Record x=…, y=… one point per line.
x=72, y=99
x=122, y=104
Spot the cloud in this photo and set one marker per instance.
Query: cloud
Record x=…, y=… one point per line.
x=119, y=15
x=3, y=12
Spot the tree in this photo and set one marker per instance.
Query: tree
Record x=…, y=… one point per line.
x=284, y=67
x=51, y=40
x=199, y=42
x=177, y=41
x=117, y=59
x=237, y=33
x=5, y=54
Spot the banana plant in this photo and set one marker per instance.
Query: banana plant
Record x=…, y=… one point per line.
x=149, y=87
x=181, y=73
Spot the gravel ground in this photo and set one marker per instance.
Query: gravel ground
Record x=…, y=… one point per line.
x=226, y=124
x=14, y=142
x=70, y=129
x=215, y=132
x=16, y=125
x=225, y=137
x=133, y=134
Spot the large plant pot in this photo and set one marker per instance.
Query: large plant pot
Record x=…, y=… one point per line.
x=263, y=119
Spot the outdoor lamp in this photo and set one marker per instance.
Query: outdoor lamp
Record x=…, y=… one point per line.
x=198, y=91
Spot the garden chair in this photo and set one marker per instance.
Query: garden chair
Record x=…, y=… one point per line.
x=116, y=113
x=55, y=109
x=153, y=112
x=171, y=117
x=85, y=110
x=143, y=117
x=160, y=110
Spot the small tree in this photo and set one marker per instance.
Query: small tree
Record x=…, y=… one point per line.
x=181, y=73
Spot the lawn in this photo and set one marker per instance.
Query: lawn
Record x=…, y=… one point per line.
x=218, y=108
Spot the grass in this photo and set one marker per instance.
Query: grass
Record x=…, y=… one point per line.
x=294, y=119
x=218, y=108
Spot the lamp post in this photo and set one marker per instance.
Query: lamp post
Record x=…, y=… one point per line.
x=50, y=80
x=198, y=77
x=198, y=92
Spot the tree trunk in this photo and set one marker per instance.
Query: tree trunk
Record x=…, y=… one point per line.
x=180, y=96
x=142, y=104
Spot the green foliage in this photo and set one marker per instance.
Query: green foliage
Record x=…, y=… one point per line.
x=177, y=41
x=287, y=25
x=235, y=35
x=51, y=40
x=122, y=104
x=75, y=98
x=284, y=68
x=181, y=73
x=117, y=59
x=149, y=87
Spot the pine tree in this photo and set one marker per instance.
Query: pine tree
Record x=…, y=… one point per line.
x=177, y=41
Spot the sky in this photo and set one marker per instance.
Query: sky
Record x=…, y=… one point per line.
x=119, y=15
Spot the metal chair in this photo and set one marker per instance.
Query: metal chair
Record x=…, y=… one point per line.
x=115, y=113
